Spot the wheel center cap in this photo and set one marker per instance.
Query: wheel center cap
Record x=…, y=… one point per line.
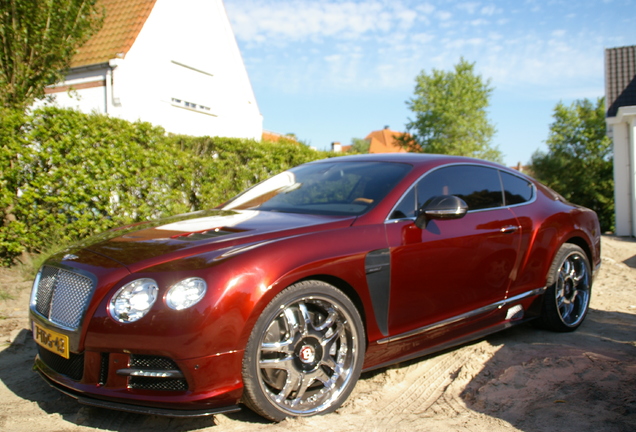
x=307, y=354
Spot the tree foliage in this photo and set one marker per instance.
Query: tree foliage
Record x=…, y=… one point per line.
x=38, y=39
x=359, y=145
x=69, y=175
x=579, y=161
x=450, y=114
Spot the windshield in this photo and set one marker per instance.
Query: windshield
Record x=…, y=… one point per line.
x=328, y=188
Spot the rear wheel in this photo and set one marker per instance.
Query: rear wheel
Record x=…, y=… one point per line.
x=305, y=353
x=567, y=297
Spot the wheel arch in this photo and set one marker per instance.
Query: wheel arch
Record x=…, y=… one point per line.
x=340, y=284
x=347, y=289
x=564, y=309
x=580, y=242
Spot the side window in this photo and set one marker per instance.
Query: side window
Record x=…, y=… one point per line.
x=516, y=189
x=477, y=185
x=407, y=207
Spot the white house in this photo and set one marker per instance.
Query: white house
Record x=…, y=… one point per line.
x=620, y=97
x=172, y=63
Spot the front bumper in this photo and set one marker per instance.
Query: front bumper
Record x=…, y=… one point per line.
x=207, y=386
x=137, y=409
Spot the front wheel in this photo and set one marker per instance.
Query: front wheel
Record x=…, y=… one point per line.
x=567, y=297
x=305, y=353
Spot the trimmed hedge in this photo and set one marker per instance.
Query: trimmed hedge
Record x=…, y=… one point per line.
x=68, y=175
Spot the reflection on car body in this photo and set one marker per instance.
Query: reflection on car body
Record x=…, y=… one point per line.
x=279, y=298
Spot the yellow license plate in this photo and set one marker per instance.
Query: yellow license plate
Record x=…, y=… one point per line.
x=52, y=341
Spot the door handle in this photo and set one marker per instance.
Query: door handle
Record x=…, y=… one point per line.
x=509, y=229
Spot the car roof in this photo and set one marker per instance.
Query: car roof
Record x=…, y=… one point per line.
x=416, y=159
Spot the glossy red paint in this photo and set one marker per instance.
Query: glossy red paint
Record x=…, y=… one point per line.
x=450, y=282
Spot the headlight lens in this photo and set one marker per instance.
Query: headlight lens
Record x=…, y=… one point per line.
x=186, y=293
x=132, y=301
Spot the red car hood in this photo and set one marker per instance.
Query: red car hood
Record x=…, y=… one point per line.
x=149, y=243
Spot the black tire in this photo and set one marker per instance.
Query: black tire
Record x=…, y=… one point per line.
x=569, y=289
x=304, y=354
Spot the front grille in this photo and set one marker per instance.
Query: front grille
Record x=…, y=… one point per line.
x=155, y=383
x=62, y=296
x=161, y=384
x=139, y=361
x=73, y=367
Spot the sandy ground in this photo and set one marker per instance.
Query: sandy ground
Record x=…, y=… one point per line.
x=522, y=379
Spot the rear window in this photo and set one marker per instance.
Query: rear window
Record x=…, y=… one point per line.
x=516, y=189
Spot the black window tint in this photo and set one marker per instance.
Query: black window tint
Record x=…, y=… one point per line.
x=406, y=208
x=478, y=186
x=516, y=189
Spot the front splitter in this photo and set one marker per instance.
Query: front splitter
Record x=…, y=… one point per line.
x=137, y=409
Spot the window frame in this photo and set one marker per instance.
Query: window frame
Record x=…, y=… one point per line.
x=413, y=188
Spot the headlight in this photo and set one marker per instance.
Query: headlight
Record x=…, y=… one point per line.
x=186, y=293
x=132, y=301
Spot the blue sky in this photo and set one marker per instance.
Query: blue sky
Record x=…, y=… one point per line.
x=332, y=70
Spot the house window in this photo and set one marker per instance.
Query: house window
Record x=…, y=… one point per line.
x=190, y=105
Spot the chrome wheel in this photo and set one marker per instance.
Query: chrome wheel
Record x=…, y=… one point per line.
x=573, y=290
x=569, y=289
x=307, y=353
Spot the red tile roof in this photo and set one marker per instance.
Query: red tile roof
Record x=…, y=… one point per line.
x=384, y=141
x=123, y=21
x=276, y=137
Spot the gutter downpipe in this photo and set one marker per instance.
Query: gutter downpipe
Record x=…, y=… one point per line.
x=111, y=100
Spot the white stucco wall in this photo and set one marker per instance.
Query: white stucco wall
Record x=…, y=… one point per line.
x=623, y=132
x=184, y=72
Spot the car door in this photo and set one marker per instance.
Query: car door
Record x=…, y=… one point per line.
x=451, y=268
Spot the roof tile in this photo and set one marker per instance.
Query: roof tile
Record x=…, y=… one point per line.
x=384, y=141
x=620, y=78
x=123, y=21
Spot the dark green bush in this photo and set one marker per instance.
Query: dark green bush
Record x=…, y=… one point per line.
x=68, y=175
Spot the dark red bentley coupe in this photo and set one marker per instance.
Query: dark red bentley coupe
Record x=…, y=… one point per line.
x=279, y=298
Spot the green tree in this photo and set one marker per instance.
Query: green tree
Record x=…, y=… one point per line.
x=579, y=161
x=38, y=39
x=359, y=145
x=450, y=114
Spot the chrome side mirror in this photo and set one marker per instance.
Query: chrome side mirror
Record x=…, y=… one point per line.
x=441, y=207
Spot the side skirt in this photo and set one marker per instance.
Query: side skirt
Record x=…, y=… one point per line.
x=451, y=344
x=463, y=317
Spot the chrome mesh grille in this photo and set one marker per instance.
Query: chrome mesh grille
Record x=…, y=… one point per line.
x=62, y=296
x=151, y=383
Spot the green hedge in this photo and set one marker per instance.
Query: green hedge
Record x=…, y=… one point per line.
x=68, y=175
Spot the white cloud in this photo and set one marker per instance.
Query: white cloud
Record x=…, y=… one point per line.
x=425, y=8
x=444, y=16
x=288, y=22
x=381, y=44
x=479, y=22
x=490, y=10
x=470, y=7
x=422, y=38
x=459, y=44
x=333, y=58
